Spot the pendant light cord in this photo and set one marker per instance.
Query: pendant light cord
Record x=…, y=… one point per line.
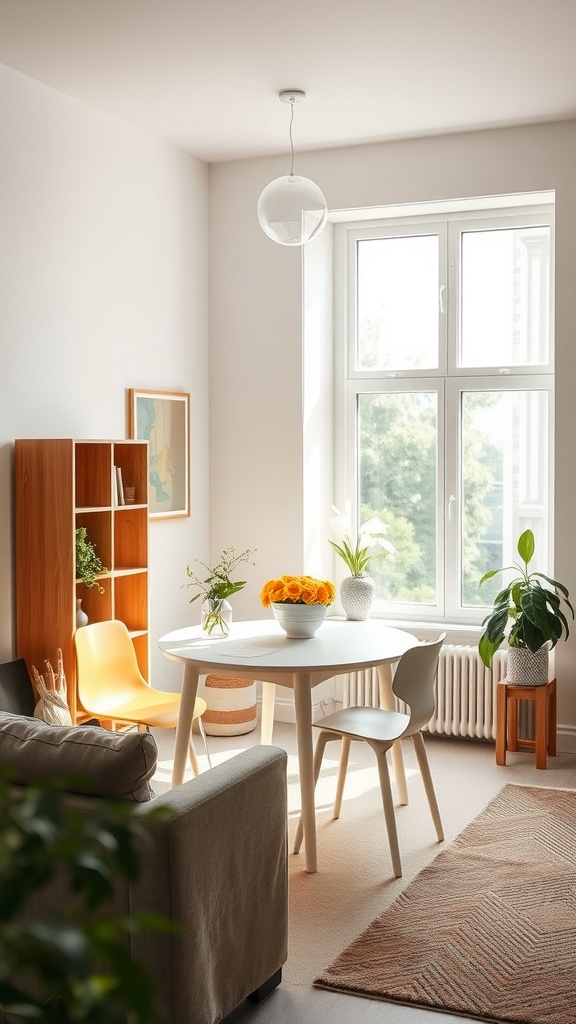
x=291, y=142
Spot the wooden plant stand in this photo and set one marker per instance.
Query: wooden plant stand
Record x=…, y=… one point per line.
x=544, y=698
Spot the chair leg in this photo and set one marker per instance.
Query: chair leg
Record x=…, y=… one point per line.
x=389, y=815
x=202, y=732
x=342, y=767
x=193, y=759
x=418, y=741
x=321, y=742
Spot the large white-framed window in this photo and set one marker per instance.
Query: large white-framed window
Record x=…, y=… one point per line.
x=443, y=398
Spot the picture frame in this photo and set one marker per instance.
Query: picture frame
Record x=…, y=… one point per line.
x=163, y=419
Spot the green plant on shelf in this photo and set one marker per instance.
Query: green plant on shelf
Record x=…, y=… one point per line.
x=88, y=564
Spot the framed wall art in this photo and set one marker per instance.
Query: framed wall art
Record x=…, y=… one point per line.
x=163, y=419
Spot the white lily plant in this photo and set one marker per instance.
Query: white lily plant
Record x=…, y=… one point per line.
x=358, y=554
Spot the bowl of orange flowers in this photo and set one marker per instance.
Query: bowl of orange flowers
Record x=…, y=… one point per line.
x=298, y=603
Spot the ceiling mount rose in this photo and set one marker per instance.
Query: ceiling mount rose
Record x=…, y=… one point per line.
x=292, y=95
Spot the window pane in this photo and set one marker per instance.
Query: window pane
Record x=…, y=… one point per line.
x=504, y=484
x=397, y=303
x=505, y=297
x=397, y=482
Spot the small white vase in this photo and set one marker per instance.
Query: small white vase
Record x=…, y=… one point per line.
x=81, y=617
x=216, y=617
x=527, y=668
x=299, y=621
x=357, y=595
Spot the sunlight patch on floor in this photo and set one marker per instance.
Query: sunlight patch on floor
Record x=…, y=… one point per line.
x=358, y=782
x=360, y=779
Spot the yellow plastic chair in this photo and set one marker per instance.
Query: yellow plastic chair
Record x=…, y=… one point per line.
x=413, y=684
x=112, y=689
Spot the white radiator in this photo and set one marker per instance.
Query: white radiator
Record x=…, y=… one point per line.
x=465, y=692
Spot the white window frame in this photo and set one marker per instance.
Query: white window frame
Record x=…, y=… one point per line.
x=448, y=379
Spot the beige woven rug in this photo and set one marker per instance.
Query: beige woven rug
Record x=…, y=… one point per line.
x=488, y=929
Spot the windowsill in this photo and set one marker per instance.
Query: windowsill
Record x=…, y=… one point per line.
x=456, y=633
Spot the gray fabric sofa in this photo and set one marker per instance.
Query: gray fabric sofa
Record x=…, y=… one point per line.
x=217, y=865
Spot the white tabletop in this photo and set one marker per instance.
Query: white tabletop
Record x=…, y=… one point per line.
x=339, y=645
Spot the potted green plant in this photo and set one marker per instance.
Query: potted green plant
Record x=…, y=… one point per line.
x=88, y=564
x=357, y=590
x=536, y=616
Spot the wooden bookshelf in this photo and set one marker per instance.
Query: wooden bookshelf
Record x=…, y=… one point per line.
x=61, y=484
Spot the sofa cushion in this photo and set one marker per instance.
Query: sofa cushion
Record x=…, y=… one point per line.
x=94, y=761
x=16, y=691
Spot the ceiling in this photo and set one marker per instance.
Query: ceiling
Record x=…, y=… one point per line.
x=205, y=74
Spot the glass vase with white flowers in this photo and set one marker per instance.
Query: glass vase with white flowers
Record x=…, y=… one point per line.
x=370, y=541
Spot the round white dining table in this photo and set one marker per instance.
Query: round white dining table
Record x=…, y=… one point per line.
x=260, y=650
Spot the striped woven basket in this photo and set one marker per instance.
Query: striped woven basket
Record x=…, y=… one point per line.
x=230, y=706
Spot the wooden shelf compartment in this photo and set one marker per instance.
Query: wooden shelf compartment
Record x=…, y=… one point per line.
x=131, y=600
x=98, y=527
x=131, y=537
x=98, y=607
x=132, y=458
x=93, y=474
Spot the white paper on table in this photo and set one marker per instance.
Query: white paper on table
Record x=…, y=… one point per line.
x=241, y=650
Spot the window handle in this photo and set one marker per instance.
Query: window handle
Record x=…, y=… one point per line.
x=441, y=297
x=451, y=501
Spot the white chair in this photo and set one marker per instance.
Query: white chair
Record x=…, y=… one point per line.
x=414, y=685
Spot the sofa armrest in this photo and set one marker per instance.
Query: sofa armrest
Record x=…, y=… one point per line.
x=217, y=867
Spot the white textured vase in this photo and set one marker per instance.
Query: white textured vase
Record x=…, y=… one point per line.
x=527, y=668
x=357, y=595
x=299, y=621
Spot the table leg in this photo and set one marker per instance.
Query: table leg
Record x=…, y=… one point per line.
x=184, y=727
x=303, y=707
x=396, y=756
x=267, y=721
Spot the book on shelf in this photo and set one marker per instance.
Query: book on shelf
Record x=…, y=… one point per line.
x=119, y=485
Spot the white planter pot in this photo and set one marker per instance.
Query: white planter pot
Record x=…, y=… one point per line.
x=357, y=595
x=299, y=621
x=527, y=668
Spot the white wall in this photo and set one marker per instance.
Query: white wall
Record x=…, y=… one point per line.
x=103, y=287
x=103, y=283
x=256, y=451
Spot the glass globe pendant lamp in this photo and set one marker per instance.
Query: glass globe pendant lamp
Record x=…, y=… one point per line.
x=292, y=210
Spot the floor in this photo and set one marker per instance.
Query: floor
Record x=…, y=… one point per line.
x=458, y=766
